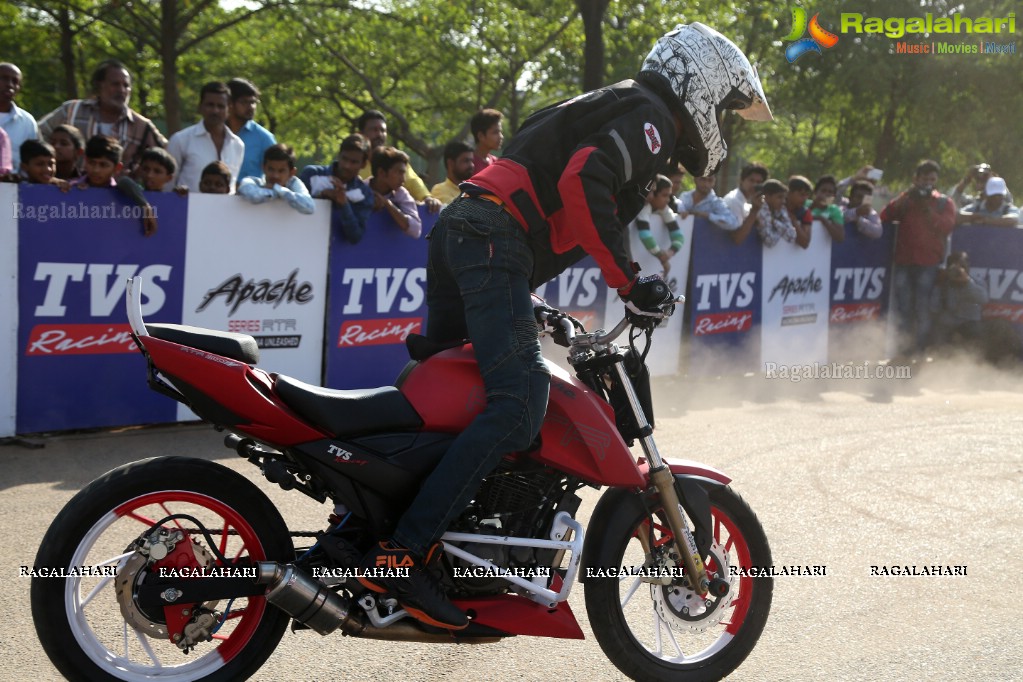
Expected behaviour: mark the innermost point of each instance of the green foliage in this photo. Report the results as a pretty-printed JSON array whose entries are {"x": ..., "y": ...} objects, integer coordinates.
[{"x": 429, "y": 64}]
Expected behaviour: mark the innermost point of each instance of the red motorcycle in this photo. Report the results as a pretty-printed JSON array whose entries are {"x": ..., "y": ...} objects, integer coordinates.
[{"x": 172, "y": 555}]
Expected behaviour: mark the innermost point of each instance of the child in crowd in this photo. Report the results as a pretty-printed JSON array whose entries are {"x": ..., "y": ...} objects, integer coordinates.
[
  {"x": 157, "y": 169},
  {"x": 69, "y": 145},
  {"x": 823, "y": 208},
  {"x": 861, "y": 212},
  {"x": 102, "y": 164},
  {"x": 278, "y": 181},
  {"x": 351, "y": 198},
  {"x": 702, "y": 202},
  {"x": 39, "y": 164},
  {"x": 657, "y": 204},
  {"x": 389, "y": 166},
  {"x": 215, "y": 179},
  {"x": 773, "y": 221}
]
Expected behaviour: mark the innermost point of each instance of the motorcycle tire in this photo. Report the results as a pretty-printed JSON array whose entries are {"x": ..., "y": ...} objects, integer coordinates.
[
  {"x": 81, "y": 621},
  {"x": 666, "y": 632}
]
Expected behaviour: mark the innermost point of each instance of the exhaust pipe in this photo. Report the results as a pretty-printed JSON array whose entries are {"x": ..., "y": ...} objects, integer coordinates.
[
  {"x": 308, "y": 601},
  {"x": 319, "y": 608}
]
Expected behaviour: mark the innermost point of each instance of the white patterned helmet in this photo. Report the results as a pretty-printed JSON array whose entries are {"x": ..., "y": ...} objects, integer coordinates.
[{"x": 708, "y": 73}]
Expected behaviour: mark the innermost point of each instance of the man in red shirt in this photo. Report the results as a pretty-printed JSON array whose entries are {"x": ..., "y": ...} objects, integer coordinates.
[{"x": 926, "y": 218}]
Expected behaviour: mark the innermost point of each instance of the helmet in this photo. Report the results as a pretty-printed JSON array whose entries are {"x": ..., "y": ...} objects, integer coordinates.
[{"x": 708, "y": 73}]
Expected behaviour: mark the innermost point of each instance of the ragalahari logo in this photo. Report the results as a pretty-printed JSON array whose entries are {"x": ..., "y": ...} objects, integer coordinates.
[{"x": 818, "y": 38}]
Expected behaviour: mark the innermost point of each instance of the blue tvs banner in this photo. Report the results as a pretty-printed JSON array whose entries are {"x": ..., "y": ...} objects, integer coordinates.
[
  {"x": 861, "y": 279},
  {"x": 723, "y": 301},
  {"x": 77, "y": 364},
  {"x": 377, "y": 297},
  {"x": 580, "y": 291},
  {"x": 996, "y": 262}
]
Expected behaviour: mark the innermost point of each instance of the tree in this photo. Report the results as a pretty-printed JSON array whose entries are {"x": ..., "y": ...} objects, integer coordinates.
[{"x": 172, "y": 29}]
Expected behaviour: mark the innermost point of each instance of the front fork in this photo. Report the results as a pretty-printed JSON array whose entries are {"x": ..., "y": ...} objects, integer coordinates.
[{"x": 663, "y": 480}]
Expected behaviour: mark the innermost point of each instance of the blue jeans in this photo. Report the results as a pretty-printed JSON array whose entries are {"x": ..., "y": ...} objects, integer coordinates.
[
  {"x": 913, "y": 287},
  {"x": 478, "y": 288}
]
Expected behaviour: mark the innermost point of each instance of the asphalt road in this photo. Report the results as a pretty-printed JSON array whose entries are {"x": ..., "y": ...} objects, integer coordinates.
[{"x": 846, "y": 474}]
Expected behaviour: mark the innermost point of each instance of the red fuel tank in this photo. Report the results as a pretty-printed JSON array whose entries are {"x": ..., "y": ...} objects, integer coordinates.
[{"x": 578, "y": 436}]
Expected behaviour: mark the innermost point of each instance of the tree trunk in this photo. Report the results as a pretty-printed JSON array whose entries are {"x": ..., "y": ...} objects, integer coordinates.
[
  {"x": 886, "y": 141},
  {"x": 592, "y": 12},
  {"x": 67, "y": 53},
  {"x": 169, "y": 65}
]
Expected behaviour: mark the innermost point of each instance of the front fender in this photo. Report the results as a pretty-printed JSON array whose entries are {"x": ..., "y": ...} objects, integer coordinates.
[{"x": 692, "y": 480}]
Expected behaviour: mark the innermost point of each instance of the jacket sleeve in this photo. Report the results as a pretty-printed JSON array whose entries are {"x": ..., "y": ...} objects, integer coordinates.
[{"x": 626, "y": 152}]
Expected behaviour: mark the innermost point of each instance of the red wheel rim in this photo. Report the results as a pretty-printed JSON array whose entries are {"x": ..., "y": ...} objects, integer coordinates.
[{"x": 248, "y": 621}]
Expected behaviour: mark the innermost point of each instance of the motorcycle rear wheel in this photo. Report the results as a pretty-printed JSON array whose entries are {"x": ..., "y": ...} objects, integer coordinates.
[
  {"x": 79, "y": 620},
  {"x": 647, "y": 630}
]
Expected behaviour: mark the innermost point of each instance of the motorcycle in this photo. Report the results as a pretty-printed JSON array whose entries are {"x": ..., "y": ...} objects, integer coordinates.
[{"x": 171, "y": 555}]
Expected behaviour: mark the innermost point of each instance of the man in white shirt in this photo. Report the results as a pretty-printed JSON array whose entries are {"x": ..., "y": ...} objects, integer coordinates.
[
  {"x": 17, "y": 123},
  {"x": 208, "y": 140},
  {"x": 739, "y": 199}
]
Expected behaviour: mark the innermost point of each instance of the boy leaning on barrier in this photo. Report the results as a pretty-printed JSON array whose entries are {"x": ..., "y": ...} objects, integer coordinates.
[
  {"x": 102, "y": 166},
  {"x": 278, "y": 182}
]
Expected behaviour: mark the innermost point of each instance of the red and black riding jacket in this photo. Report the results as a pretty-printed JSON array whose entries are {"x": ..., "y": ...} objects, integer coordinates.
[{"x": 576, "y": 174}]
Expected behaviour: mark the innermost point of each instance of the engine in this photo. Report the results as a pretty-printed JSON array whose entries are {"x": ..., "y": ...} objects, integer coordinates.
[{"x": 519, "y": 499}]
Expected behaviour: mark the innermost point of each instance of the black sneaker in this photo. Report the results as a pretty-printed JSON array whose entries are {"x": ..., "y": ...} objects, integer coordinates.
[{"x": 416, "y": 590}]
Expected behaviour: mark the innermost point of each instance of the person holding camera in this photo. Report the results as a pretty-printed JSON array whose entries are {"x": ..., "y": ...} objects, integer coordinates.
[
  {"x": 978, "y": 175},
  {"x": 957, "y": 302},
  {"x": 992, "y": 208},
  {"x": 926, "y": 217}
]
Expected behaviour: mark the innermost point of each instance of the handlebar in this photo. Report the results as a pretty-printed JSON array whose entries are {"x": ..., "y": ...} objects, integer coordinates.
[{"x": 569, "y": 325}]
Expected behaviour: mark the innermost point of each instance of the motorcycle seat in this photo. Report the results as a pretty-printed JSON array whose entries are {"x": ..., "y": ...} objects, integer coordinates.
[
  {"x": 241, "y": 347},
  {"x": 349, "y": 412}
]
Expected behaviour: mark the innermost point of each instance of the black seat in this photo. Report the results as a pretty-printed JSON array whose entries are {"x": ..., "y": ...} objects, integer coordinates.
[
  {"x": 241, "y": 347},
  {"x": 350, "y": 412},
  {"x": 420, "y": 348}
]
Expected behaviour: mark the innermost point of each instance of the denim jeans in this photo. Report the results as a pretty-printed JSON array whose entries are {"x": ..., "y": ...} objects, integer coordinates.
[
  {"x": 913, "y": 287},
  {"x": 478, "y": 288}
]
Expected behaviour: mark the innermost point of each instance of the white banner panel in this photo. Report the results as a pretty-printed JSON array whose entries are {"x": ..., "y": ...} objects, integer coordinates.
[
  {"x": 259, "y": 270},
  {"x": 8, "y": 306},
  {"x": 663, "y": 359},
  {"x": 796, "y": 301}
]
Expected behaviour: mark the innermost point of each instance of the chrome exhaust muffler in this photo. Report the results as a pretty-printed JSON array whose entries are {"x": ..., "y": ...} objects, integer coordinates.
[{"x": 305, "y": 599}]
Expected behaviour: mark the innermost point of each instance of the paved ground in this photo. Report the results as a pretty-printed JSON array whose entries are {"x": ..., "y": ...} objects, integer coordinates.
[{"x": 845, "y": 474}]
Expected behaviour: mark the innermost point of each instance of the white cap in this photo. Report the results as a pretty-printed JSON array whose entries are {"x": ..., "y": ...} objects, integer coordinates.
[{"x": 995, "y": 186}]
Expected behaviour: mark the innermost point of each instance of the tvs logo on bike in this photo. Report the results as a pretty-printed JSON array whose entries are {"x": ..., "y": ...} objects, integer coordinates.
[
  {"x": 653, "y": 138},
  {"x": 236, "y": 290},
  {"x": 340, "y": 454}
]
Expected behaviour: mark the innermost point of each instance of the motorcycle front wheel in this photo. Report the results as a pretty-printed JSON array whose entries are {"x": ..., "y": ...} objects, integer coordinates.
[
  {"x": 82, "y": 599},
  {"x": 656, "y": 631}
]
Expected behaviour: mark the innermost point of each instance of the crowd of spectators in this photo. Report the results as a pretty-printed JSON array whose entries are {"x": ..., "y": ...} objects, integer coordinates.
[{"x": 99, "y": 141}]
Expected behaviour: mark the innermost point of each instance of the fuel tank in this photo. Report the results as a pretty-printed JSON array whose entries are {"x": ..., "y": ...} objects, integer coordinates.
[{"x": 578, "y": 436}]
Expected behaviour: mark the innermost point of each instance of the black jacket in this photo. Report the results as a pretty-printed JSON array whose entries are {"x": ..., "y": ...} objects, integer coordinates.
[{"x": 576, "y": 173}]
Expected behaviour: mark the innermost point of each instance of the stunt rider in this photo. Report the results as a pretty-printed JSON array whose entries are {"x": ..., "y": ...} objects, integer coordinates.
[{"x": 571, "y": 179}]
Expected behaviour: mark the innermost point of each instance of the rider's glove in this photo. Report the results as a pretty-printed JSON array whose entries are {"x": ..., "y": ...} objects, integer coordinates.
[{"x": 645, "y": 299}]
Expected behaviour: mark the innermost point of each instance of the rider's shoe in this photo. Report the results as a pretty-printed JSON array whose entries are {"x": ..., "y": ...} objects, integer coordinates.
[{"x": 391, "y": 568}]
